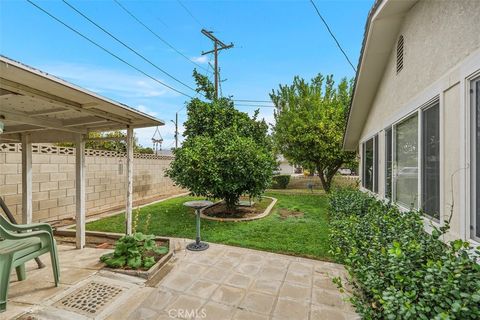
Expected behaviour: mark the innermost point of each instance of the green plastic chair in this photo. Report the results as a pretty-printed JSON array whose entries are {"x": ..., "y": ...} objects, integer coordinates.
[{"x": 19, "y": 244}]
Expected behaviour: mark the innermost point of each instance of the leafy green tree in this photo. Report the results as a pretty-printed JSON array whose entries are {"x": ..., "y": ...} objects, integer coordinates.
[
  {"x": 225, "y": 153},
  {"x": 310, "y": 122},
  {"x": 111, "y": 145}
]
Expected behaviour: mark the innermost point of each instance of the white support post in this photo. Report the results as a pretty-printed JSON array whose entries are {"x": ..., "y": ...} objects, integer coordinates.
[
  {"x": 128, "y": 211},
  {"x": 27, "y": 204},
  {"x": 80, "y": 190}
]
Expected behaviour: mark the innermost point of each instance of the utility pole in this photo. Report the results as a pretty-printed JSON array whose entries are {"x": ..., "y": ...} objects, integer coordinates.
[
  {"x": 217, "y": 46},
  {"x": 176, "y": 129}
]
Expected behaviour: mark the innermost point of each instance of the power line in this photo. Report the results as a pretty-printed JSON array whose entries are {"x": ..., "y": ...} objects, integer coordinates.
[
  {"x": 333, "y": 36},
  {"x": 106, "y": 50},
  {"x": 190, "y": 13},
  {"x": 127, "y": 46},
  {"x": 156, "y": 35},
  {"x": 246, "y": 100},
  {"x": 254, "y": 106}
]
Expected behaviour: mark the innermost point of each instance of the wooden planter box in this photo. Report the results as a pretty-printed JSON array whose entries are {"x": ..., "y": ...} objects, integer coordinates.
[{"x": 109, "y": 237}]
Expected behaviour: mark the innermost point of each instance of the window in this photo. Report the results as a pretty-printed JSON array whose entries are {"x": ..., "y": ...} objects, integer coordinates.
[
  {"x": 388, "y": 163},
  {"x": 370, "y": 164},
  {"x": 406, "y": 162},
  {"x": 475, "y": 103},
  {"x": 400, "y": 45},
  {"x": 431, "y": 161}
]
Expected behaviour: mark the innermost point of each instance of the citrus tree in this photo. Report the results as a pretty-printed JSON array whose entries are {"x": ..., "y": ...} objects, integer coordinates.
[
  {"x": 225, "y": 153},
  {"x": 310, "y": 120}
]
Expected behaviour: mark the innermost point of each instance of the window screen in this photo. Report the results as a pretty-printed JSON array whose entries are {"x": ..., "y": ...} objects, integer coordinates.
[
  {"x": 368, "y": 170},
  {"x": 406, "y": 159},
  {"x": 431, "y": 161}
]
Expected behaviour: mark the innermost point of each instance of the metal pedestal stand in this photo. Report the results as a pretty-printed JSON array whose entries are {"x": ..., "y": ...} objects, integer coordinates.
[{"x": 197, "y": 205}]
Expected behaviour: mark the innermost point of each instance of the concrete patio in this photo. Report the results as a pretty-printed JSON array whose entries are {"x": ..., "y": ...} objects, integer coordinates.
[{"x": 221, "y": 283}]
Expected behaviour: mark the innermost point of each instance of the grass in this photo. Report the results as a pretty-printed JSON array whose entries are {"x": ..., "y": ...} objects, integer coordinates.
[{"x": 306, "y": 236}]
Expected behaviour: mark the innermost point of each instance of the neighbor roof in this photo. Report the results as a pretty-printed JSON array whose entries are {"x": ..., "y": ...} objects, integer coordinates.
[
  {"x": 381, "y": 30},
  {"x": 35, "y": 101}
]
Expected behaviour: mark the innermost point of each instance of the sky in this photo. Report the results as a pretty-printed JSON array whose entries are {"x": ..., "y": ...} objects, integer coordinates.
[{"x": 273, "y": 42}]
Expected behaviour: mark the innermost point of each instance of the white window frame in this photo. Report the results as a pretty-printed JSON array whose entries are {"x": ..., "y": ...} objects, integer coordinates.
[
  {"x": 471, "y": 110},
  {"x": 437, "y": 98},
  {"x": 376, "y": 164},
  {"x": 385, "y": 162}
]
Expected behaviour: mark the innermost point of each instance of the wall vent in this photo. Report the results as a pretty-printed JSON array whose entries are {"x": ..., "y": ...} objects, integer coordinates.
[{"x": 400, "y": 53}]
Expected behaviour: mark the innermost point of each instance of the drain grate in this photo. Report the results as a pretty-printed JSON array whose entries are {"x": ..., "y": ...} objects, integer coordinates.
[{"x": 89, "y": 299}]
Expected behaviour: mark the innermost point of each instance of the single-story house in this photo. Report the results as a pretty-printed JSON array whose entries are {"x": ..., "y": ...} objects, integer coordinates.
[
  {"x": 415, "y": 111},
  {"x": 285, "y": 167}
]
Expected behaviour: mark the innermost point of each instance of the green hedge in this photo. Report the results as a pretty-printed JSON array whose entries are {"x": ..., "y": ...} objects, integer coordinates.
[
  {"x": 280, "y": 181},
  {"x": 399, "y": 271}
]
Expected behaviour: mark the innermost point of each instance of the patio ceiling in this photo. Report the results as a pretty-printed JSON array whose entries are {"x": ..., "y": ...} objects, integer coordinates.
[{"x": 55, "y": 110}]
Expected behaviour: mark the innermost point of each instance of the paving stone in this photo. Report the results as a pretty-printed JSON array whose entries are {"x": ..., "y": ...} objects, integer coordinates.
[
  {"x": 272, "y": 273},
  {"x": 253, "y": 257},
  {"x": 328, "y": 298},
  {"x": 238, "y": 280},
  {"x": 248, "y": 268},
  {"x": 226, "y": 264},
  {"x": 133, "y": 303},
  {"x": 258, "y": 302},
  {"x": 159, "y": 299},
  {"x": 299, "y": 267},
  {"x": 267, "y": 286},
  {"x": 202, "y": 289},
  {"x": 191, "y": 268},
  {"x": 216, "y": 311},
  {"x": 143, "y": 313},
  {"x": 290, "y": 309},
  {"x": 248, "y": 315},
  {"x": 321, "y": 313},
  {"x": 323, "y": 282},
  {"x": 304, "y": 279},
  {"x": 214, "y": 274},
  {"x": 178, "y": 281},
  {"x": 228, "y": 295},
  {"x": 294, "y": 292},
  {"x": 186, "y": 304},
  {"x": 276, "y": 262}
]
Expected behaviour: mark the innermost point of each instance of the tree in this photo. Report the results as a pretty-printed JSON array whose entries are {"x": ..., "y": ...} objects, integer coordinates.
[
  {"x": 310, "y": 122},
  {"x": 111, "y": 145},
  {"x": 225, "y": 153}
]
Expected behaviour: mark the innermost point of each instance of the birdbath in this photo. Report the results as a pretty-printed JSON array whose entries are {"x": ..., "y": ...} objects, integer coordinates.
[{"x": 197, "y": 205}]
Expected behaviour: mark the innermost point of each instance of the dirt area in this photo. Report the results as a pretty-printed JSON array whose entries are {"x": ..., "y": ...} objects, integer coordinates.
[
  {"x": 220, "y": 210},
  {"x": 285, "y": 213},
  {"x": 100, "y": 242}
]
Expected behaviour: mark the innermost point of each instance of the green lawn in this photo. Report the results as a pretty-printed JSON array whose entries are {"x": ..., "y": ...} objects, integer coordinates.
[{"x": 306, "y": 236}]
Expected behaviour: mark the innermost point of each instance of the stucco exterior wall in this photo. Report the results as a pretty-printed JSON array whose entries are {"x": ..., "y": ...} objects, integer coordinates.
[
  {"x": 53, "y": 175},
  {"x": 442, "y": 48}
]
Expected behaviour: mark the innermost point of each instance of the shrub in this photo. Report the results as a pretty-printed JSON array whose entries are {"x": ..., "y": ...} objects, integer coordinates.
[
  {"x": 398, "y": 270},
  {"x": 134, "y": 251},
  {"x": 225, "y": 154},
  {"x": 280, "y": 181}
]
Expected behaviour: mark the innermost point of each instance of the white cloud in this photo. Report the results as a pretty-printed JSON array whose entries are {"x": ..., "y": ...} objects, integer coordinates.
[
  {"x": 146, "y": 110},
  {"x": 104, "y": 80},
  {"x": 200, "y": 59}
]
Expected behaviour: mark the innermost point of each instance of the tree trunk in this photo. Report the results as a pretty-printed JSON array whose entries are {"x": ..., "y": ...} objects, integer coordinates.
[{"x": 325, "y": 183}]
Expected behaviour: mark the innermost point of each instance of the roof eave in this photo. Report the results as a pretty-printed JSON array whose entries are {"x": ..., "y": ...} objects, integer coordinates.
[{"x": 381, "y": 30}]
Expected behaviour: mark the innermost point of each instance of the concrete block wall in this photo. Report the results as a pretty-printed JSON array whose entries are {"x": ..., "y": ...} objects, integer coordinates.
[{"x": 53, "y": 175}]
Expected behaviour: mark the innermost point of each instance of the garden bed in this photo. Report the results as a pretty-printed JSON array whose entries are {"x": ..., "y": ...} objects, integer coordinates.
[
  {"x": 245, "y": 212},
  {"x": 106, "y": 240}
]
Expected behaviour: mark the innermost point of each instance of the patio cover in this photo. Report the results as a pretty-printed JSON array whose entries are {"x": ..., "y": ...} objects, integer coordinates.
[{"x": 36, "y": 107}]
